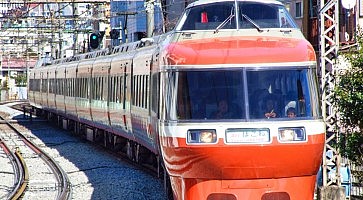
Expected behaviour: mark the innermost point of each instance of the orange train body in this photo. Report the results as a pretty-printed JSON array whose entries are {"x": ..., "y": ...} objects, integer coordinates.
[{"x": 159, "y": 97}]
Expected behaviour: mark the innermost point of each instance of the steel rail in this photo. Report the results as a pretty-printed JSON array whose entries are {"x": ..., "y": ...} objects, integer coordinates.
[
  {"x": 23, "y": 181},
  {"x": 64, "y": 189},
  {"x": 20, "y": 171}
]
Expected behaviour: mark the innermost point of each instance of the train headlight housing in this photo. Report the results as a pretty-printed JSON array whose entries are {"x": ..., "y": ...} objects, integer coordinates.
[
  {"x": 292, "y": 134},
  {"x": 203, "y": 136}
]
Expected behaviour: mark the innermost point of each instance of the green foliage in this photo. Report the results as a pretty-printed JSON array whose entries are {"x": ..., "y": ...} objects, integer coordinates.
[
  {"x": 349, "y": 100},
  {"x": 5, "y": 85},
  {"x": 21, "y": 80},
  {"x": 352, "y": 147}
]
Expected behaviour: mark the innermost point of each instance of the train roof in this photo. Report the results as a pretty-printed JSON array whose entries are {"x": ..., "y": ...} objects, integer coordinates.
[{"x": 203, "y": 2}]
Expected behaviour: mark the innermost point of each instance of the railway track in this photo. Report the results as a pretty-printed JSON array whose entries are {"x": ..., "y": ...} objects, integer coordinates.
[
  {"x": 21, "y": 175},
  {"x": 37, "y": 175}
]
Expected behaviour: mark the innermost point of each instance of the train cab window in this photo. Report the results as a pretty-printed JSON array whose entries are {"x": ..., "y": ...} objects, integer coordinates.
[
  {"x": 243, "y": 94},
  {"x": 224, "y": 14},
  {"x": 209, "y": 17},
  {"x": 264, "y": 15}
]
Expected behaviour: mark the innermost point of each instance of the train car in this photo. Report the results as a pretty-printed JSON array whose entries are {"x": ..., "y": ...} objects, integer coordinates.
[{"x": 227, "y": 103}]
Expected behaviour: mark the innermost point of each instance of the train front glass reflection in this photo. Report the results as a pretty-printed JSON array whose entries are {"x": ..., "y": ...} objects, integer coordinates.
[{"x": 199, "y": 95}]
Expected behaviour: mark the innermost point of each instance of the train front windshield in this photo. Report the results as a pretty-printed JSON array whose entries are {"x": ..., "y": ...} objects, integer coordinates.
[
  {"x": 226, "y": 15},
  {"x": 242, "y": 94}
]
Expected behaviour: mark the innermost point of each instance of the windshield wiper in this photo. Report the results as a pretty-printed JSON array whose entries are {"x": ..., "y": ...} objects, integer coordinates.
[
  {"x": 228, "y": 19},
  {"x": 252, "y": 22}
]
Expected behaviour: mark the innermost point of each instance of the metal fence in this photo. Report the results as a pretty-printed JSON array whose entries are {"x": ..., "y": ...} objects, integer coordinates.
[{"x": 356, "y": 191}]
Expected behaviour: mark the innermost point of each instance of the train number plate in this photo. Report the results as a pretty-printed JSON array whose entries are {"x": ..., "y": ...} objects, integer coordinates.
[{"x": 248, "y": 135}]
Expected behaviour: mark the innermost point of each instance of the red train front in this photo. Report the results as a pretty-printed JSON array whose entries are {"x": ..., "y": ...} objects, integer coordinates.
[{"x": 240, "y": 115}]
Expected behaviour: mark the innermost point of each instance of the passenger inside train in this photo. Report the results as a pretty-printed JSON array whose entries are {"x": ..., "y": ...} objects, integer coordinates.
[
  {"x": 270, "y": 107},
  {"x": 197, "y": 94},
  {"x": 291, "y": 113},
  {"x": 223, "y": 112}
]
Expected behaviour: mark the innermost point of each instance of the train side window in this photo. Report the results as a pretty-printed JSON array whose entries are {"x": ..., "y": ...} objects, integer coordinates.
[
  {"x": 119, "y": 94},
  {"x": 58, "y": 86},
  {"x": 115, "y": 89},
  {"x": 155, "y": 94},
  {"x": 69, "y": 86},
  {"x": 66, "y": 87},
  {"x": 79, "y": 86},
  {"x": 105, "y": 92},
  {"x": 141, "y": 94},
  {"x": 147, "y": 91},
  {"x": 50, "y": 86},
  {"x": 82, "y": 88},
  {"x": 141, "y": 90},
  {"x": 100, "y": 86},
  {"x": 94, "y": 88},
  {"x": 134, "y": 91},
  {"x": 62, "y": 86},
  {"x": 76, "y": 84},
  {"x": 75, "y": 87},
  {"x": 111, "y": 89}
]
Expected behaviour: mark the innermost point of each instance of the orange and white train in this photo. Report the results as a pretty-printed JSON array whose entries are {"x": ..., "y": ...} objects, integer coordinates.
[{"x": 208, "y": 102}]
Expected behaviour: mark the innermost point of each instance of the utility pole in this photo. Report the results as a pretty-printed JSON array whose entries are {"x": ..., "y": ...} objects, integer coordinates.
[{"x": 150, "y": 18}]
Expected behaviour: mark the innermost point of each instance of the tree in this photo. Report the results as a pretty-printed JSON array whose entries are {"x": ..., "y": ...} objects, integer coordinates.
[
  {"x": 348, "y": 97},
  {"x": 21, "y": 80}
]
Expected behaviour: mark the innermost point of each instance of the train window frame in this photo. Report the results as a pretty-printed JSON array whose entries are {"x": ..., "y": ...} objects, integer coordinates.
[{"x": 310, "y": 91}]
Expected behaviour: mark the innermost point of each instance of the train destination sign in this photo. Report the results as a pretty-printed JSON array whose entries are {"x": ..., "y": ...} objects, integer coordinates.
[{"x": 248, "y": 135}]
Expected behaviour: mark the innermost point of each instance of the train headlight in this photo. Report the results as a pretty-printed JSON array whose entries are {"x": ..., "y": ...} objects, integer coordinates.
[
  {"x": 294, "y": 134},
  {"x": 201, "y": 136}
]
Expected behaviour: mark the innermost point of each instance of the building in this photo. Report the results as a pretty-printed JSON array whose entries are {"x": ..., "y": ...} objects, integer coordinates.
[{"x": 129, "y": 18}]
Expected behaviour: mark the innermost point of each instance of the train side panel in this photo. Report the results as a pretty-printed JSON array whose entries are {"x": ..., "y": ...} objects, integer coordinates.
[
  {"x": 52, "y": 88},
  {"x": 140, "y": 119},
  {"x": 84, "y": 72},
  {"x": 61, "y": 88},
  {"x": 119, "y": 105},
  {"x": 72, "y": 90},
  {"x": 100, "y": 91},
  {"x": 43, "y": 88},
  {"x": 32, "y": 86}
]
